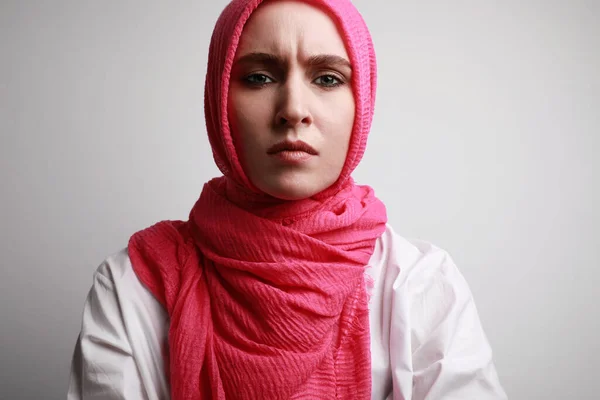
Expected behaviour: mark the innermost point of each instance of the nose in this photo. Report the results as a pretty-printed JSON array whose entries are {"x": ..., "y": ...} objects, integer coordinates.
[{"x": 293, "y": 105}]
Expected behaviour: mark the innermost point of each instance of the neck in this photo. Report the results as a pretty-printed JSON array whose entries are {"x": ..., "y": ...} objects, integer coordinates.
[{"x": 264, "y": 205}]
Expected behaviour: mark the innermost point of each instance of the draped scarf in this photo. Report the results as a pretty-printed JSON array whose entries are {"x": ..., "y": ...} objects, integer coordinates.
[{"x": 267, "y": 299}]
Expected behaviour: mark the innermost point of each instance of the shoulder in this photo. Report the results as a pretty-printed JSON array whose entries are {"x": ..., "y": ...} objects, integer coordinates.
[
  {"x": 423, "y": 291},
  {"x": 115, "y": 277},
  {"x": 119, "y": 302},
  {"x": 114, "y": 268},
  {"x": 421, "y": 288},
  {"x": 103, "y": 313},
  {"x": 412, "y": 262},
  {"x": 130, "y": 311},
  {"x": 431, "y": 323},
  {"x": 123, "y": 337}
]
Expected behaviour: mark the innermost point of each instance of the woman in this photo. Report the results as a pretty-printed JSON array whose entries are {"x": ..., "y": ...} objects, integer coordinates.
[{"x": 286, "y": 281}]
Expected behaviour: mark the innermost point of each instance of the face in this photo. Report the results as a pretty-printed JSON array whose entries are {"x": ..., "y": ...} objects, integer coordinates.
[{"x": 290, "y": 105}]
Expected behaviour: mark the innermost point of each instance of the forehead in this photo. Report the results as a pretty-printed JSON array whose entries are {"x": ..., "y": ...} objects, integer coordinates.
[{"x": 284, "y": 26}]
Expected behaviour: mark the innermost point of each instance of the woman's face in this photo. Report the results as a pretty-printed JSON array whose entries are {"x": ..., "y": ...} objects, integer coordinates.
[{"x": 290, "y": 104}]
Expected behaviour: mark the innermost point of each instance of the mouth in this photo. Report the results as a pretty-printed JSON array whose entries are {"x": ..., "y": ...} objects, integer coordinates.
[
  {"x": 292, "y": 152},
  {"x": 297, "y": 146}
]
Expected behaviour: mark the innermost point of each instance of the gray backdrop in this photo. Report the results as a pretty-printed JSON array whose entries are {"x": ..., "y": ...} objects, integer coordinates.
[{"x": 485, "y": 142}]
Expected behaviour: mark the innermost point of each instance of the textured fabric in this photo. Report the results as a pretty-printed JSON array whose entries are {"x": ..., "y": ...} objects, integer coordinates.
[
  {"x": 427, "y": 341},
  {"x": 267, "y": 298}
]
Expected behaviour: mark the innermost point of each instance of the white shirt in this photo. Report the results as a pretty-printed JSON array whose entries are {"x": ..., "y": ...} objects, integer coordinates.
[{"x": 426, "y": 337}]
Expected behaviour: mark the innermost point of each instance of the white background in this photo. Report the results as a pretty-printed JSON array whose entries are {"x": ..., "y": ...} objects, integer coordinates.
[{"x": 485, "y": 143}]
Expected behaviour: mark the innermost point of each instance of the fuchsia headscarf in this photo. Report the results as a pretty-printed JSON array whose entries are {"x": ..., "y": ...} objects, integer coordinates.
[{"x": 267, "y": 299}]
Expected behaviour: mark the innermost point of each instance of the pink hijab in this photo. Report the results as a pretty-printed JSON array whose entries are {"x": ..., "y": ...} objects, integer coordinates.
[{"x": 267, "y": 299}]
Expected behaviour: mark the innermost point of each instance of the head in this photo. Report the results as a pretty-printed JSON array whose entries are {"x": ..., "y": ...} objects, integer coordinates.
[
  {"x": 290, "y": 103},
  {"x": 298, "y": 96}
]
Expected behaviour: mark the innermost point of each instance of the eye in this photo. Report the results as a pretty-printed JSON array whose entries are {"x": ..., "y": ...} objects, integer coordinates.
[
  {"x": 258, "y": 79},
  {"x": 328, "y": 81}
]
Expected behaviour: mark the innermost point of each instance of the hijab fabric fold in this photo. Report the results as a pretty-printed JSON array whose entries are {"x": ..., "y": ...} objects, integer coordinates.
[{"x": 267, "y": 299}]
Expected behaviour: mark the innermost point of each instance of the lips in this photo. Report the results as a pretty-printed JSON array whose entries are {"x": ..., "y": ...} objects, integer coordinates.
[{"x": 292, "y": 146}]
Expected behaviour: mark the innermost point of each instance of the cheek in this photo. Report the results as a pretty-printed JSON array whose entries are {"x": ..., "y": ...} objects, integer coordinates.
[
  {"x": 337, "y": 125},
  {"x": 248, "y": 119},
  {"x": 349, "y": 114}
]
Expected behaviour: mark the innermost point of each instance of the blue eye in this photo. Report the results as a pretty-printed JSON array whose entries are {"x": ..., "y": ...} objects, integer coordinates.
[
  {"x": 258, "y": 79},
  {"x": 328, "y": 81}
]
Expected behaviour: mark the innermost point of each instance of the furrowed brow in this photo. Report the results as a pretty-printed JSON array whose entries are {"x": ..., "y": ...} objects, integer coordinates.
[
  {"x": 329, "y": 59},
  {"x": 260, "y": 58},
  {"x": 271, "y": 59}
]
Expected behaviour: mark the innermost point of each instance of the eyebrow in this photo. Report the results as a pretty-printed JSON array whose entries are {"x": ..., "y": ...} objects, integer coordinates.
[{"x": 316, "y": 60}]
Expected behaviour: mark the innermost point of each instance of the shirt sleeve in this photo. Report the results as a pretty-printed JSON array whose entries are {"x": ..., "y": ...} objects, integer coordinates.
[
  {"x": 103, "y": 366},
  {"x": 450, "y": 354}
]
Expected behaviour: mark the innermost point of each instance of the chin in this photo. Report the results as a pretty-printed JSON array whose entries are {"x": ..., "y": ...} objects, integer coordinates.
[{"x": 292, "y": 188}]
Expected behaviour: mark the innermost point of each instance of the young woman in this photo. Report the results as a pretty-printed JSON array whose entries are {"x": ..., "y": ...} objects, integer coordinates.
[{"x": 286, "y": 281}]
